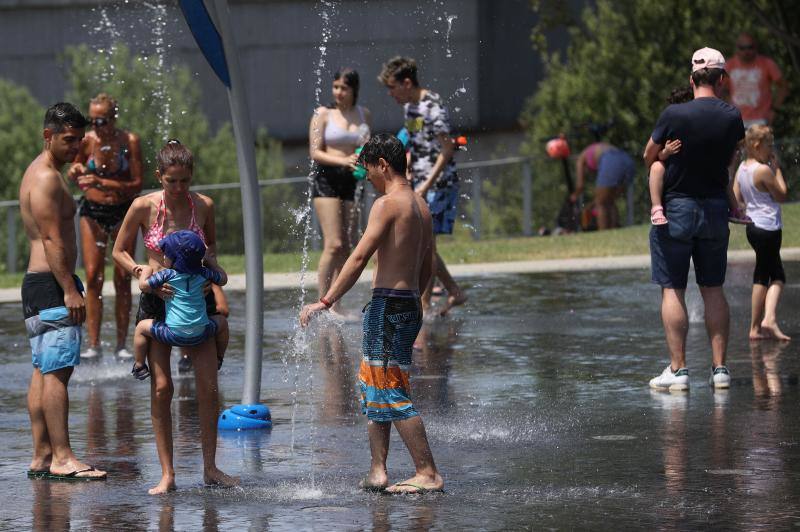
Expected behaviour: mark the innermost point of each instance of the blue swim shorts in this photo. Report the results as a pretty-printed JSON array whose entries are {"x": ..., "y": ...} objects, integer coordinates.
[
  {"x": 55, "y": 340},
  {"x": 615, "y": 168},
  {"x": 696, "y": 229},
  {"x": 161, "y": 332},
  {"x": 392, "y": 320},
  {"x": 442, "y": 204}
]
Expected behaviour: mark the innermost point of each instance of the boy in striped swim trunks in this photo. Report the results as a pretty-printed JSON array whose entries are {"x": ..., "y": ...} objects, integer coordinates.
[{"x": 400, "y": 233}]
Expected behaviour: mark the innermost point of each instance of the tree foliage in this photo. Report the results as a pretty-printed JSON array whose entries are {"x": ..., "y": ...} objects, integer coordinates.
[
  {"x": 623, "y": 59},
  {"x": 20, "y": 135},
  {"x": 160, "y": 102}
]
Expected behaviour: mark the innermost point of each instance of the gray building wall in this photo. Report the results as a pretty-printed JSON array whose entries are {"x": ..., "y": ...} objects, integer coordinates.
[{"x": 484, "y": 67}]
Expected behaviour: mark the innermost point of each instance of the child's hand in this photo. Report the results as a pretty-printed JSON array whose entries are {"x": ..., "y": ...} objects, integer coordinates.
[
  {"x": 773, "y": 161},
  {"x": 144, "y": 274},
  {"x": 671, "y": 148}
]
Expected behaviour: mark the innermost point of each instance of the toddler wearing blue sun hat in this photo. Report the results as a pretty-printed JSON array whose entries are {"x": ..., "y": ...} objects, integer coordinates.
[{"x": 186, "y": 322}]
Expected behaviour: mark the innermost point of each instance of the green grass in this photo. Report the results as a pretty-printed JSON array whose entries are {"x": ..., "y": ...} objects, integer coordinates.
[{"x": 462, "y": 249}]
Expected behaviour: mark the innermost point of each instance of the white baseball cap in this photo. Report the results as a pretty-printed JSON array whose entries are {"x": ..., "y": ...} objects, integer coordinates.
[{"x": 707, "y": 58}]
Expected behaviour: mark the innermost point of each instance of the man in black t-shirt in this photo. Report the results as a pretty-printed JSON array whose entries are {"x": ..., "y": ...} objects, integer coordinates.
[{"x": 696, "y": 206}]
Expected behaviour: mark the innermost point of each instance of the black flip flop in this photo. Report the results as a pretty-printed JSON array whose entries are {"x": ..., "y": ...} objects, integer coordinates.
[
  {"x": 38, "y": 473},
  {"x": 74, "y": 475}
]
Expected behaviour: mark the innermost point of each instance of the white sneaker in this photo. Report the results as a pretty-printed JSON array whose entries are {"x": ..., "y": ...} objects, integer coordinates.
[
  {"x": 92, "y": 352},
  {"x": 124, "y": 353},
  {"x": 673, "y": 381},
  {"x": 720, "y": 377}
]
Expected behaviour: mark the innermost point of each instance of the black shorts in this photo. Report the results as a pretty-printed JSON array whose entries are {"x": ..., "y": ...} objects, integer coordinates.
[
  {"x": 40, "y": 291},
  {"x": 108, "y": 217},
  {"x": 767, "y": 245},
  {"x": 152, "y": 307},
  {"x": 334, "y": 182}
]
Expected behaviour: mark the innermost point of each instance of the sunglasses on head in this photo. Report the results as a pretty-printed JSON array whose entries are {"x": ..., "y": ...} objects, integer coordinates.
[
  {"x": 745, "y": 46},
  {"x": 99, "y": 122}
]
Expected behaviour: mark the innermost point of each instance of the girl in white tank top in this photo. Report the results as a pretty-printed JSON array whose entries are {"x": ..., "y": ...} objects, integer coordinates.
[
  {"x": 760, "y": 185},
  {"x": 761, "y": 206}
]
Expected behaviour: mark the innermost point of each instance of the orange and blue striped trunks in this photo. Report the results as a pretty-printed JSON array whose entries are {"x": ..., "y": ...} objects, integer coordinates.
[{"x": 392, "y": 320}]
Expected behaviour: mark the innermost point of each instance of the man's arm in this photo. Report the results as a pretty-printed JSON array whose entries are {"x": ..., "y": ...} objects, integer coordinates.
[
  {"x": 380, "y": 220},
  {"x": 781, "y": 92},
  {"x": 448, "y": 149},
  {"x": 46, "y": 206},
  {"x": 651, "y": 152},
  {"x": 426, "y": 271}
]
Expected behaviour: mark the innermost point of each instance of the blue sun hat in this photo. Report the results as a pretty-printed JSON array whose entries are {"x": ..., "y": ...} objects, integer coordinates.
[{"x": 185, "y": 249}]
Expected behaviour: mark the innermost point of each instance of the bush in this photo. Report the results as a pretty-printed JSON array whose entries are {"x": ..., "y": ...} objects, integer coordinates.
[
  {"x": 623, "y": 59},
  {"x": 20, "y": 142}
]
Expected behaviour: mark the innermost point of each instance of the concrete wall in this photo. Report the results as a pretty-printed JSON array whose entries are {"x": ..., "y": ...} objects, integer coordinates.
[{"x": 489, "y": 55}]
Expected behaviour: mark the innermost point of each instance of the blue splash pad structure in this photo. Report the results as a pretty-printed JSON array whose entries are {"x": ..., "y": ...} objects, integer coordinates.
[{"x": 245, "y": 417}]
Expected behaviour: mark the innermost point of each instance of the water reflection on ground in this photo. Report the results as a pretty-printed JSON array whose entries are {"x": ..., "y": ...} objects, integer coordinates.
[{"x": 537, "y": 407}]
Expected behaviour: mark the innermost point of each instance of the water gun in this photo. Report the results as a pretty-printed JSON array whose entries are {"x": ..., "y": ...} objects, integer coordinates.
[{"x": 405, "y": 137}]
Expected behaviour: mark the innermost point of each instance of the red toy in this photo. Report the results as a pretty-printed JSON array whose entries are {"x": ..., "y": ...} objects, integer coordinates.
[{"x": 557, "y": 148}]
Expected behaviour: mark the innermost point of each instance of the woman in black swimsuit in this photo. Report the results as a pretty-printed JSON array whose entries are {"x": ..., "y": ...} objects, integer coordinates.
[
  {"x": 334, "y": 134},
  {"x": 108, "y": 169}
]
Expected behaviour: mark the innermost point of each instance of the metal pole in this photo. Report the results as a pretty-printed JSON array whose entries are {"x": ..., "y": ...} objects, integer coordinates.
[
  {"x": 476, "y": 206},
  {"x": 11, "y": 243},
  {"x": 251, "y": 206},
  {"x": 527, "y": 206}
]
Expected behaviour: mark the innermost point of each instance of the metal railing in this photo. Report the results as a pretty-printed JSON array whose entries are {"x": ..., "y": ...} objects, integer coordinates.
[{"x": 473, "y": 176}]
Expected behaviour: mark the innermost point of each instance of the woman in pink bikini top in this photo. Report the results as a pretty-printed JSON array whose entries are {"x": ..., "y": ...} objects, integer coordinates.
[
  {"x": 155, "y": 215},
  {"x": 156, "y": 231},
  {"x": 171, "y": 209}
]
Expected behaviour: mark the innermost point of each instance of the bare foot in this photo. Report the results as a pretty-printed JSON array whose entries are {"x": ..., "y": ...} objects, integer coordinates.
[
  {"x": 166, "y": 485},
  {"x": 76, "y": 469},
  {"x": 418, "y": 484},
  {"x": 215, "y": 477},
  {"x": 453, "y": 301},
  {"x": 41, "y": 463},
  {"x": 773, "y": 331},
  {"x": 374, "y": 481},
  {"x": 757, "y": 334}
]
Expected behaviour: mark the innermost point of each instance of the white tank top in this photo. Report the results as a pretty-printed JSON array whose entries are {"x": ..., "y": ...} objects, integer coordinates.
[
  {"x": 761, "y": 207},
  {"x": 344, "y": 139}
]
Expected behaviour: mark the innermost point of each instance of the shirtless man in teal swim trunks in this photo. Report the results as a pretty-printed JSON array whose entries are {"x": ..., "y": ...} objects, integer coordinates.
[
  {"x": 52, "y": 296},
  {"x": 400, "y": 233}
]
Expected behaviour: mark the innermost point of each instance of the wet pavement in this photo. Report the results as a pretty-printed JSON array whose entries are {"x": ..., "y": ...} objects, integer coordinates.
[{"x": 536, "y": 402}]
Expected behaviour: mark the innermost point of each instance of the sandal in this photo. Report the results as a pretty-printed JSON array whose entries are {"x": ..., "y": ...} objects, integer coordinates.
[
  {"x": 657, "y": 216},
  {"x": 736, "y": 216},
  {"x": 140, "y": 372}
]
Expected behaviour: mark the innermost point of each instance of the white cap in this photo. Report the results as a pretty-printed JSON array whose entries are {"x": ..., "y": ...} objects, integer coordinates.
[{"x": 707, "y": 58}]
